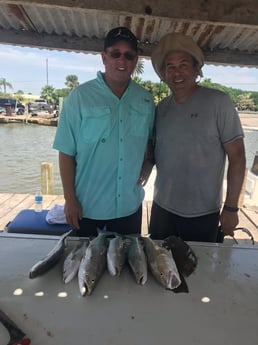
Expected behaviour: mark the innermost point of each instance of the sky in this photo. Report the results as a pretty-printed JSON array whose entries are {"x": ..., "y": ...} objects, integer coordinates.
[{"x": 30, "y": 69}]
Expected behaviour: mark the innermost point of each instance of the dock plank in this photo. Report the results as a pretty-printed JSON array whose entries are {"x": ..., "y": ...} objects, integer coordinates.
[
  {"x": 5, "y": 197},
  {"x": 12, "y": 204}
]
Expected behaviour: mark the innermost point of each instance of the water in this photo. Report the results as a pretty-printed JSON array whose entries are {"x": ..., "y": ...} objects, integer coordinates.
[{"x": 23, "y": 147}]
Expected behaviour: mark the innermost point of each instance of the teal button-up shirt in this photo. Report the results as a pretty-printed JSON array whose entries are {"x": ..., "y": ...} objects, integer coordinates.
[{"x": 108, "y": 137}]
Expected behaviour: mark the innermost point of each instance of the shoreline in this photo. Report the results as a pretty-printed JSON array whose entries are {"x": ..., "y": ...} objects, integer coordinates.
[
  {"x": 248, "y": 121},
  {"x": 45, "y": 119}
]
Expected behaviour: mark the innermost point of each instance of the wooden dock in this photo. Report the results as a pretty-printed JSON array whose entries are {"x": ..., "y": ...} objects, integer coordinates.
[
  {"x": 12, "y": 204},
  {"x": 44, "y": 119}
]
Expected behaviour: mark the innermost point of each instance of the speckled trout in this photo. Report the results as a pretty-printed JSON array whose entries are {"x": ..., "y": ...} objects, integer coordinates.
[
  {"x": 137, "y": 259},
  {"x": 116, "y": 255},
  {"x": 161, "y": 264},
  {"x": 72, "y": 261},
  {"x": 93, "y": 263},
  {"x": 50, "y": 259}
]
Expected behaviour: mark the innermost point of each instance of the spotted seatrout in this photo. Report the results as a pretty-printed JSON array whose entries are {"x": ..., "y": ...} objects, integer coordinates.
[
  {"x": 137, "y": 259},
  {"x": 93, "y": 264},
  {"x": 50, "y": 259},
  {"x": 72, "y": 261},
  {"x": 116, "y": 255},
  {"x": 161, "y": 264}
]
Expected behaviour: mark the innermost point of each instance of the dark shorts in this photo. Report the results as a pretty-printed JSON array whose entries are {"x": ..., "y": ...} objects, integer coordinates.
[
  {"x": 124, "y": 225},
  {"x": 201, "y": 229}
]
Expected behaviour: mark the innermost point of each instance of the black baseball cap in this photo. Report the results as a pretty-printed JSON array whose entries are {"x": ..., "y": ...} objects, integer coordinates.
[{"x": 120, "y": 33}]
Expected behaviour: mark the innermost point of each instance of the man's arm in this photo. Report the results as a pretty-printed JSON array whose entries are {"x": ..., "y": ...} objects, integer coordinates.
[
  {"x": 72, "y": 209},
  {"x": 235, "y": 177},
  {"x": 148, "y": 163}
]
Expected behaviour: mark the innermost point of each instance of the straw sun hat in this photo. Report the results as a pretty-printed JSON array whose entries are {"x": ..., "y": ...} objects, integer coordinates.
[{"x": 175, "y": 42}]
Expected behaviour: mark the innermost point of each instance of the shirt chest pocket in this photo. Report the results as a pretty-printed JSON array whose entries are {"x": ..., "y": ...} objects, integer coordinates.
[
  {"x": 139, "y": 123},
  {"x": 96, "y": 124}
]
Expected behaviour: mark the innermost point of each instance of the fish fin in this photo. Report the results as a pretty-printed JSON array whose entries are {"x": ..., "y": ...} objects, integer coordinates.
[
  {"x": 99, "y": 231},
  {"x": 108, "y": 234}
]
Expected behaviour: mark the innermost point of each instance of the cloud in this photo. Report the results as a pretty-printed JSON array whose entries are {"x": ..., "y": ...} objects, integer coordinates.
[
  {"x": 57, "y": 60},
  {"x": 26, "y": 68},
  {"x": 243, "y": 78}
]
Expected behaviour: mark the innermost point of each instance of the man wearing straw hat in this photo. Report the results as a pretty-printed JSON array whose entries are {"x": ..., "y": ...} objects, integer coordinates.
[{"x": 197, "y": 128}]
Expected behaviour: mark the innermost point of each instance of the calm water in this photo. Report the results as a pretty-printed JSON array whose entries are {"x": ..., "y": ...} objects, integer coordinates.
[{"x": 23, "y": 148}]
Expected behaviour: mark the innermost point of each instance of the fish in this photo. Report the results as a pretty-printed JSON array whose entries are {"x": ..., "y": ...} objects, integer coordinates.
[
  {"x": 50, "y": 259},
  {"x": 184, "y": 256},
  {"x": 116, "y": 255},
  {"x": 72, "y": 261},
  {"x": 17, "y": 336},
  {"x": 137, "y": 259},
  {"x": 161, "y": 264},
  {"x": 93, "y": 263}
]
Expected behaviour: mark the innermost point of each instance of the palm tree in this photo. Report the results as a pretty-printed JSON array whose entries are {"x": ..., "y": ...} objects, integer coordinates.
[
  {"x": 139, "y": 68},
  {"x": 71, "y": 81},
  {"x": 48, "y": 93},
  {"x": 4, "y": 84}
]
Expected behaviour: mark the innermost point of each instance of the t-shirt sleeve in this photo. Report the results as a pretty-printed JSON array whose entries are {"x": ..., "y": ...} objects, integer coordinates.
[{"x": 228, "y": 120}]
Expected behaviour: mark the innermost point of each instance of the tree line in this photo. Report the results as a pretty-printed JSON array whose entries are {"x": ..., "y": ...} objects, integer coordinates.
[
  {"x": 48, "y": 92},
  {"x": 243, "y": 100}
]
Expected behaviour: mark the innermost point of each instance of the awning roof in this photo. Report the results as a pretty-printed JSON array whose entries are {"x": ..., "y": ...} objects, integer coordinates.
[{"x": 227, "y": 31}]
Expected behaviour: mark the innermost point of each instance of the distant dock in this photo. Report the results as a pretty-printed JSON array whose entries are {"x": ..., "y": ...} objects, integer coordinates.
[
  {"x": 248, "y": 120},
  {"x": 42, "y": 119}
]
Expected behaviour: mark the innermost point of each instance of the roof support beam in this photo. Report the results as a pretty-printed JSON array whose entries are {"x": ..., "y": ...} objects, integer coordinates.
[{"x": 86, "y": 45}]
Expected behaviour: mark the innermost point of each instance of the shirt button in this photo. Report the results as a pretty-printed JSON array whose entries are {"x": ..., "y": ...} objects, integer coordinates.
[
  {"x": 119, "y": 178},
  {"x": 103, "y": 140},
  {"x": 121, "y": 139}
]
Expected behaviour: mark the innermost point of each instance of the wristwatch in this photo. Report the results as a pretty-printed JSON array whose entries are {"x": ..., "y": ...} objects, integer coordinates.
[{"x": 230, "y": 209}]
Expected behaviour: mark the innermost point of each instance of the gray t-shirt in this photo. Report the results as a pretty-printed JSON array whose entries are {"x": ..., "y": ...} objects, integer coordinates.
[{"x": 189, "y": 151}]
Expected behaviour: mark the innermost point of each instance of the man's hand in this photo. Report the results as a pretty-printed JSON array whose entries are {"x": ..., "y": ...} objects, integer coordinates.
[
  {"x": 73, "y": 212},
  {"x": 228, "y": 221}
]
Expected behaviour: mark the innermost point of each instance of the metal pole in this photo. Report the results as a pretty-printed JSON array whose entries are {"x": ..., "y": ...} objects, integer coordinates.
[{"x": 47, "y": 69}]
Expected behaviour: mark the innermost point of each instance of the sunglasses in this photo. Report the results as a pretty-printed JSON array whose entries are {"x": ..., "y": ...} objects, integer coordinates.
[{"x": 128, "y": 56}]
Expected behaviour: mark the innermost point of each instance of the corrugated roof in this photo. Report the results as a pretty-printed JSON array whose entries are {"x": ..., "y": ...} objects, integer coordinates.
[{"x": 81, "y": 25}]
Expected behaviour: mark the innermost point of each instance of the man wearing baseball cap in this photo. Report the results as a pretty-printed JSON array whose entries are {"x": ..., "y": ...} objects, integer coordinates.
[
  {"x": 196, "y": 128},
  {"x": 102, "y": 136}
]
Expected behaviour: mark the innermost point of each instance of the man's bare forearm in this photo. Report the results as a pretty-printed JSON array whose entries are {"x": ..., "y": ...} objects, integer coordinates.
[
  {"x": 67, "y": 172},
  {"x": 235, "y": 173}
]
